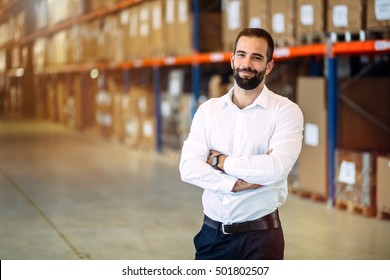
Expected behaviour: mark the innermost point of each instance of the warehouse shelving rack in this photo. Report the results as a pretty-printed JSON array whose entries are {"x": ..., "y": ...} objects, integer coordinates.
[{"x": 328, "y": 51}]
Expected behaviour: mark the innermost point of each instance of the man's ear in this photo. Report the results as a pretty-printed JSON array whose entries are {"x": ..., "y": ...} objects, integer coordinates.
[{"x": 269, "y": 67}]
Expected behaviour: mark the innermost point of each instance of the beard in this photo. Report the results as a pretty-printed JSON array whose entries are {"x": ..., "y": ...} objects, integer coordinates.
[{"x": 248, "y": 83}]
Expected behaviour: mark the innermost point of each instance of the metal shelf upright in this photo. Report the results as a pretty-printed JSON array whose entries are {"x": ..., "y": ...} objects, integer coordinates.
[{"x": 332, "y": 120}]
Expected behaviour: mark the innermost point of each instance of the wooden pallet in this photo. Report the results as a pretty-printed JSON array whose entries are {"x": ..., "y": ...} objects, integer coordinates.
[
  {"x": 383, "y": 213},
  {"x": 366, "y": 211},
  {"x": 311, "y": 38},
  {"x": 308, "y": 195},
  {"x": 347, "y": 36},
  {"x": 377, "y": 33},
  {"x": 284, "y": 42}
]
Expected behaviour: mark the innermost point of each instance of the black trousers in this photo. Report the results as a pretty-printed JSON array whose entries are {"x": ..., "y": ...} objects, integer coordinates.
[{"x": 212, "y": 244}]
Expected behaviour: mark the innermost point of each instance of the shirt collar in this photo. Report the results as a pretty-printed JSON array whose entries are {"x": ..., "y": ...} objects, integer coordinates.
[{"x": 262, "y": 100}]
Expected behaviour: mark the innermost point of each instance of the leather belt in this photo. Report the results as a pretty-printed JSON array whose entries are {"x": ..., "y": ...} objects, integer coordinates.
[{"x": 269, "y": 221}]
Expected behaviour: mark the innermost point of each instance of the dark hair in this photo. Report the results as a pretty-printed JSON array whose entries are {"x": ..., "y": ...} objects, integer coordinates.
[{"x": 258, "y": 33}]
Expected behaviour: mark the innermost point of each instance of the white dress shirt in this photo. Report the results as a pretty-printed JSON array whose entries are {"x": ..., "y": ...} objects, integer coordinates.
[{"x": 271, "y": 122}]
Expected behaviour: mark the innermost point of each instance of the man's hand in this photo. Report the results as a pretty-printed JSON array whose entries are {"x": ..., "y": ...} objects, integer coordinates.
[{"x": 241, "y": 185}]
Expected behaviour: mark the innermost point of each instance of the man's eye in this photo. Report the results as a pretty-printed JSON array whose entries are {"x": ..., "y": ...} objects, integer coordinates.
[{"x": 257, "y": 58}]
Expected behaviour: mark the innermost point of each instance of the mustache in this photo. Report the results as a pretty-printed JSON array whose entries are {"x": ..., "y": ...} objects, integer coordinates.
[{"x": 247, "y": 69}]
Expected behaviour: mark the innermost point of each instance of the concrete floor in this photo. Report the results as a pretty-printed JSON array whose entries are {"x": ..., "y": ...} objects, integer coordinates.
[{"x": 69, "y": 195}]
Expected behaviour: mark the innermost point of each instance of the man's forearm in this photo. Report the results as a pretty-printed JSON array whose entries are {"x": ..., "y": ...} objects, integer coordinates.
[{"x": 240, "y": 185}]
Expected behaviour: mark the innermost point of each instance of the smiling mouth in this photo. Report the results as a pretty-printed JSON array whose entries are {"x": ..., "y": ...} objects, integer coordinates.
[{"x": 245, "y": 73}]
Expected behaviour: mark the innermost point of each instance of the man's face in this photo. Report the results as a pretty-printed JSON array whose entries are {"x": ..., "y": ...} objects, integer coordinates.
[{"x": 249, "y": 62}]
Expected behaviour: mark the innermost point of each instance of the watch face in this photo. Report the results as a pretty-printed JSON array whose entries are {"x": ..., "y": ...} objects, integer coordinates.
[{"x": 214, "y": 161}]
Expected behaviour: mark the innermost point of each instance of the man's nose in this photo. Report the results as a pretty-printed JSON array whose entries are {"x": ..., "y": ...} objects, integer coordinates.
[{"x": 247, "y": 62}]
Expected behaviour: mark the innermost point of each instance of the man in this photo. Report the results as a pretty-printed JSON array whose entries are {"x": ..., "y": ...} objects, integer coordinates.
[{"x": 240, "y": 149}]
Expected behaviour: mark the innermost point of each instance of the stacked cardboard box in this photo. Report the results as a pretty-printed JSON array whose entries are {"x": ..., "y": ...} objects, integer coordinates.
[
  {"x": 3, "y": 61},
  {"x": 239, "y": 14},
  {"x": 51, "y": 100},
  {"x": 41, "y": 12},
  {"x": 90, "y": 35},
  {"x": 178, "y": 24},
  {"x": 135, "y": 24},
  {"x": 258, "y": 14},
  {"x": 79, "y": 102},
  {"x": 61, "y": 10},
  {"x": 40, "y": 97},
  {"x": 378, "y": 15},
  {"x": 383, "y": 184},
  {"x": 75, "y": 44},
  {"x": 19, "y": 25},
  {"x": 57, "y": 48},
  {"x": 61, "y": 99},
  {"x": 13, "y": 28},
  {"x": 283, "y": 19},
  {"x": 310, "y": 20},
  {"x": 345, "y": 16},
  {"x": 234, "y": 20},
  {"x": 312, "y": 162},
  {"x": 158, "y": 33},
  {"x": 93, "y": 5},
  {"x": 16, "y": 59},
  {"x": 356, "y": 181},
  {"x": 138, "y": 118},
  {"x": 39, "y": 54},
  {"x": 104, "y": 112}
]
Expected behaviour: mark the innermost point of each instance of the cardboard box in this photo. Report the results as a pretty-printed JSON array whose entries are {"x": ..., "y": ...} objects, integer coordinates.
[
  {"x": 258, "y": 12},
  {"x": 144, "y": 30},
  {"x": 148, "y": 133},
  {"x": 15, "y": 57},
  {"x": 104, "y": 112},
  {"x": 378, "y": 14},
  {"x": 41, "y": 14},
  {"x": 75, "y": 44},
  {"x": 178, "y": 24},
  {"x": 345, "y": 15},
  {"x": 129, "y": 19},
  {"x": 283, "y": 22},
  {"x": 51, "y": 101},
  {"x": 184, "y": 28},
  {"x": 383, "y": 183},
  {"x": 355, "y": 179},
  {"x": 158, "y": 45},
  {"x": 234, "y": 19},
  {"x": 312, "y": 162},
  {"x": 90, "y": 37},
  {"x": 79, "y": 100},
  {"x": 310, "y": 17}
]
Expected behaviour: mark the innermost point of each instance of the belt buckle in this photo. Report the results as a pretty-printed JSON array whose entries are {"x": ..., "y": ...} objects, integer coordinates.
[{"x": 223, "y": 229}]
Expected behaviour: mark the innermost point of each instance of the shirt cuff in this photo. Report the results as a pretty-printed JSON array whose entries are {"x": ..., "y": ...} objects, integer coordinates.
[
  {"x": 228, "y": 183},
  {"x": 228, "y": 165}
]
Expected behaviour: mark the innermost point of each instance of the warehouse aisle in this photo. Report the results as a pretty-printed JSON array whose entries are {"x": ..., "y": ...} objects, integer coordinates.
[{"x": 70, "y": 195}]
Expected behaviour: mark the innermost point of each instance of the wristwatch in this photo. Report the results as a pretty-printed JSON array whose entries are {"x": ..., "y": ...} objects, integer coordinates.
[{"x": 214, "y": 162}]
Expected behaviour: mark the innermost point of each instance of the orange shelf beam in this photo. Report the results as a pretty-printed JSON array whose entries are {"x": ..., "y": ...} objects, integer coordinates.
[
  {"x": 299, "y": 51},
  {"x": 70, "y": 22},
  {"x": 340, "y": 48},
  {"x": 361, "y": 47}
]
